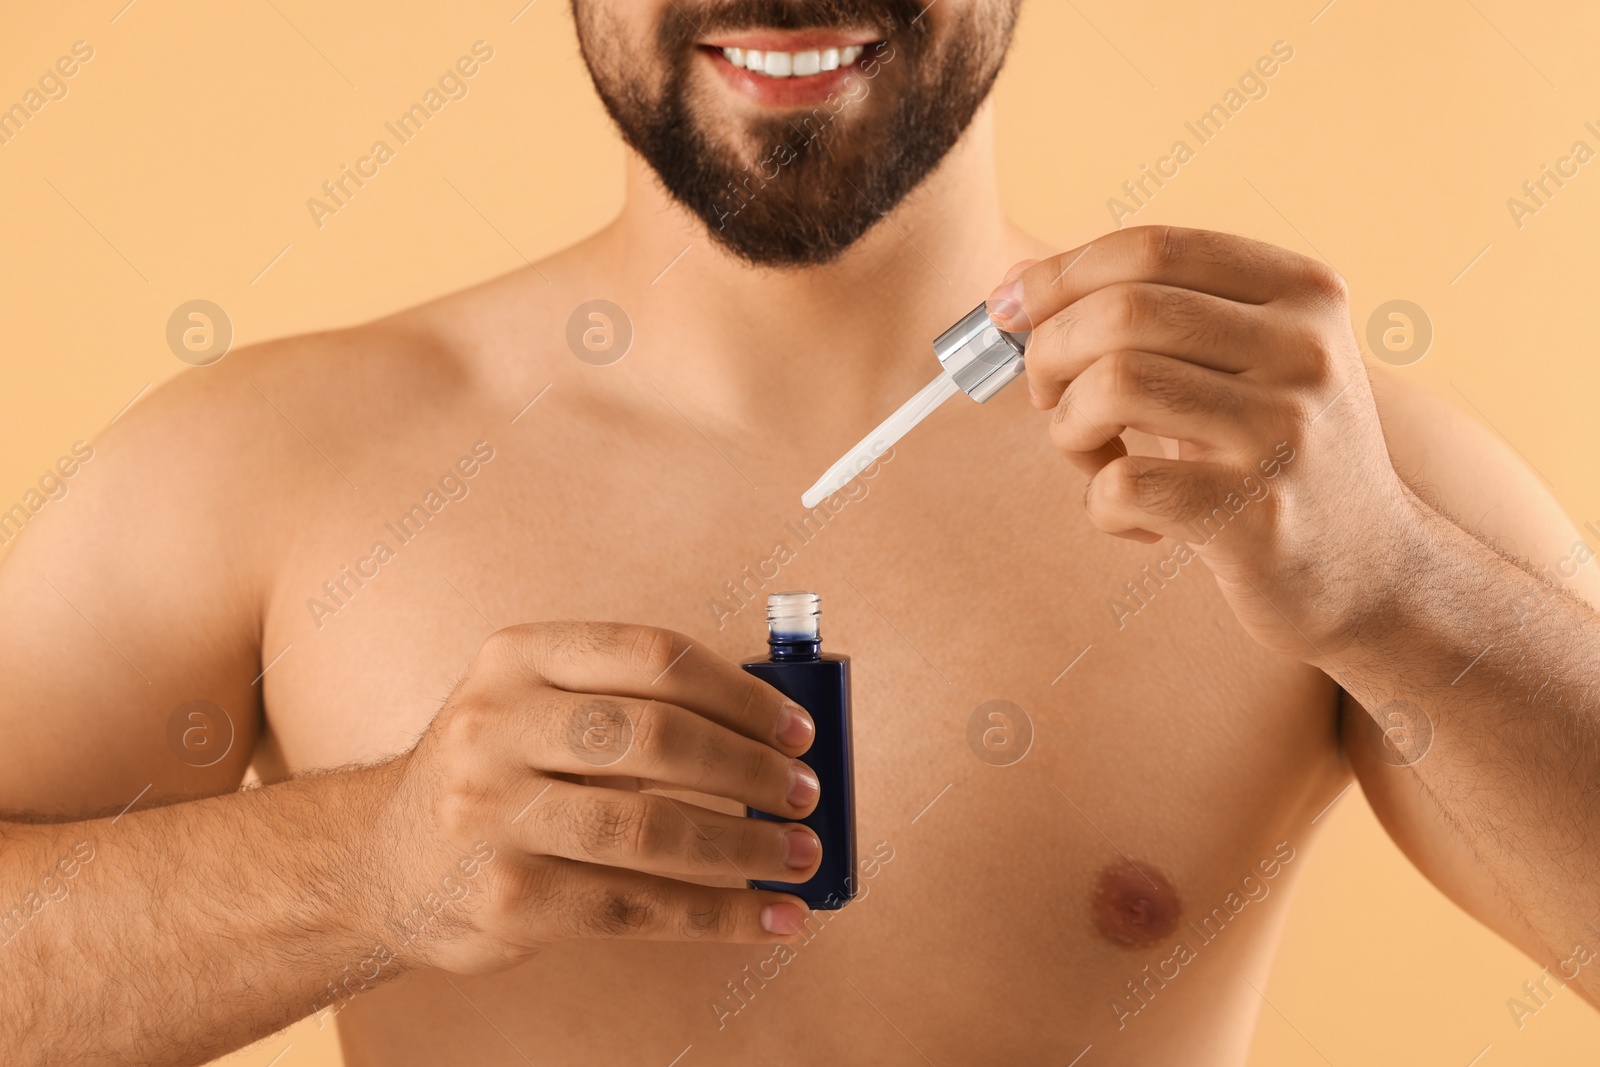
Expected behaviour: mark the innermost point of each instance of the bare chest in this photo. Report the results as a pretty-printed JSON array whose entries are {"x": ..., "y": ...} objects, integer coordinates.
[
  {"x": 1033, "y": 701},
  {"x": 957, "y": 573}
]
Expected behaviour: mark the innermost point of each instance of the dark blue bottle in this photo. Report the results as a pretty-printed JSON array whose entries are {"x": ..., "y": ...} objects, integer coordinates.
[{"x": 819, "y": 682}]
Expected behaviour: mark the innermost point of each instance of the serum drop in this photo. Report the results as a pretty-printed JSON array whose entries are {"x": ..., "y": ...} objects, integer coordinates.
[{"x": 818, "y": 681}]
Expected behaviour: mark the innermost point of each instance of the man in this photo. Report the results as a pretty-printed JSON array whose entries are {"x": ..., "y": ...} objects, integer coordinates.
[{"x": 284, "y": 560}]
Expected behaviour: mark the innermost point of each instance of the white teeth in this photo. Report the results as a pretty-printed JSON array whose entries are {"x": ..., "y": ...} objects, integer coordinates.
[{"x": 793, "y": 64}]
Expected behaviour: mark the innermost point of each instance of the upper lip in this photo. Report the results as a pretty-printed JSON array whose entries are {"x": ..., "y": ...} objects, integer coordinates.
[{"x": 792, "y": 40}]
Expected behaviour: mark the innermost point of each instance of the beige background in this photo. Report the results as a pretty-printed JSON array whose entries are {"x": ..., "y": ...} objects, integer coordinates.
[{"x": 179, "y": 164}]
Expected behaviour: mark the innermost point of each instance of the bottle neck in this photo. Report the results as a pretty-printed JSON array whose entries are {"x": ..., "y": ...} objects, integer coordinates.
[
  {"x": 790, "y": 649},
  {"x": 793, "y": 632}
]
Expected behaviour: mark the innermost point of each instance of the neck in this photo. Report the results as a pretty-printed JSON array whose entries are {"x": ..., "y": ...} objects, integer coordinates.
[{"x": 746, "y": 348}]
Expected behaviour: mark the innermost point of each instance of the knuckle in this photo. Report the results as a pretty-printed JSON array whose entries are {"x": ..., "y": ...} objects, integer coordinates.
[
  {"x": 1069, "y": 430},
  {"x": 758, "y": 766},
  {"x": 1054, "y": 335},
  {"x": 513, "y": 908},
  {"x": 1118, "y": 484},
  {"x": 1188, "y": 315},
  {"x": 1218, "y": 249},
  {"x": 1131, "y": 307},
  {"x": 614, "y": 826},
  {"x": 502, "y": 898},
  {"x": 562, "y": 642},
  {"x": 661, "y": 830},
  {"x": 1063, "y": 409},
  {"x": 1160, "y": 246},
  {"x": 1176, "y": 388},
  {"x": 461, "y": 728},
  {"x": 497, "y": 642},
  {"x": 1171, "y": 494},
  {"x": 618, "y": 912},
  {"x": 498, "y": 650},
  {"x": 1154, "y": 490},
  {"x": 708, "y": 847},
  {"x": 461, "y": 809},
  {"x": 1175, "y": 496},
  {"x": 1321, "y": 351},
  {"x": 651, "y": 650},
  {"x": 599, "y": 731},
  {"x": 1128, "y": 374},
  {"x": 759, "y": 703},
  {"x": 1327, "y": 284},
  {"x": 709, "y": 756},
  {"x": 514, "y": 890},
  {"x": 655, "y": 733},
  {"x": 711, "y": 918}
]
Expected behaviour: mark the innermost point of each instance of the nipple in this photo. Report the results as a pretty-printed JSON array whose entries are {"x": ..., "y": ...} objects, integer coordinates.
[{"x": 1134, "y": 905}]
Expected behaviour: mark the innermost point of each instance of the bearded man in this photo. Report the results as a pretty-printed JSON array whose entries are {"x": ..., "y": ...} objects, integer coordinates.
[{"x": 401, "y": 570}]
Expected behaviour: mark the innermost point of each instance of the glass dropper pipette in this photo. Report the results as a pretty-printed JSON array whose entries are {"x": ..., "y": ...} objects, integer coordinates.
[{"x": 977, "y": 358}]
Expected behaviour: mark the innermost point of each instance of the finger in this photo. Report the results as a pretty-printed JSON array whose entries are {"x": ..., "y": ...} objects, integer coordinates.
[
  {"x": 1207, "y": 330},
  {"x": 1223, "y": 265},
  {"x": 583, "y": 733},
  {"x": 1185, "y": 500},
  {"x": 661, "y": 835},
  {"x": 1156, "y": 394},
  {"x": 1018, "y": 268},
  {"x": 655, "y": 664},
  {"x": 588, "y": 901}
]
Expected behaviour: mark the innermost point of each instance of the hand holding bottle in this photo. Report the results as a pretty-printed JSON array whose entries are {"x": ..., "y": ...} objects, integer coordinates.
[{"x": 542, "y": 708}]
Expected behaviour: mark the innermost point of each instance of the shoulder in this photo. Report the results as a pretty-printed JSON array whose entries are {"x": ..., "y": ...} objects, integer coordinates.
[
  {"x": 207, "y": 474},
  {"x": 1463, "y": 468}
]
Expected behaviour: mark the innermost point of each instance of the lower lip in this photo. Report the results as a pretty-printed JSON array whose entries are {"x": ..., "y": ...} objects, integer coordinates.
[{"x": 783, "y": 92}]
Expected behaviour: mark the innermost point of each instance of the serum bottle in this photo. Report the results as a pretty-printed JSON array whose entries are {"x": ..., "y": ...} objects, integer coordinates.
[{"x": 818, "y": 681}]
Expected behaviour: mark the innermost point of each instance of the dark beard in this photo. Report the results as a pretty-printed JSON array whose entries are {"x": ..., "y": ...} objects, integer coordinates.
[{"x": 820, "y": 179}]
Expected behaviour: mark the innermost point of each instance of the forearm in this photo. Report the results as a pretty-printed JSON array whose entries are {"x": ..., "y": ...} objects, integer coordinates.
[
  {"x": 175, "y": 934},
  {"x": 1506, "y": 670}
]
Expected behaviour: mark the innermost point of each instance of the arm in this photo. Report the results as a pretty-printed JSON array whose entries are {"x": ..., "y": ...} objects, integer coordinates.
[
  {"x": 190, "y": 924},
  {"x": 1504, "y": 668},
  {"x": 177, "y": 934},
  {"x": 1277, "y": 471}
]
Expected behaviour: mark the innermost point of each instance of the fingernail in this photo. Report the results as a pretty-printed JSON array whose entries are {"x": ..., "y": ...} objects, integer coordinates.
[
  {"x": 800, "y": 849},
  {"x": 795, "y": 727},
  {"x": 782, "y": 919},
  {"x": 803, "y": 787},
  {"x": 1005, "y": 303}
]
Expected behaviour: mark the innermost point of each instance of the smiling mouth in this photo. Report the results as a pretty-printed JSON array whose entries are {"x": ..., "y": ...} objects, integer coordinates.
[
  {"x": 804, "y": 64},
  {"x": 790, "y": 69}
]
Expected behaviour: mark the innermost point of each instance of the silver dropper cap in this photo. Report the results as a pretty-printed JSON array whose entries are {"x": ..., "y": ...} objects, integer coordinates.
[
  {"x": 976, "y": 357},
  {"x": 979, "y": 356}
]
